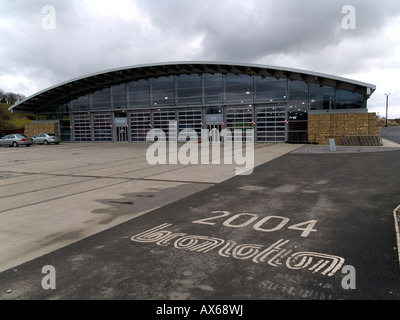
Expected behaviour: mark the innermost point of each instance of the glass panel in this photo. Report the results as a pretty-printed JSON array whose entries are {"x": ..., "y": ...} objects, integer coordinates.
[
  {"x": 189, "y": 96},
  {"x": 214, "y": 110},
  {"x": 140, "y": 122},
  {"x": 297, "y": 106},
  {"x": 270, "y": 123},
  {"x": 81, "y": 104},
  {"x": 190, "y": 119},
  {"x": 102, "y": 127},
  {"x": 163, "y": 91},
  {"x": 298, "y": 95},
  {"x": 238, "y": 88},
  {"x": 119, "y": 96},
  {"x": 65, "y": 127},
  {"x": 321, "y": 97},
  {"x": 189, "y": 89},
  {"x": 101, "y": 99},
  {"x": 296, "y": 85},
  {"x": 239, "y": 118},
  {"x": 213, "y": 88},
  {"x": 185, "y": 81},
  {"x": 56, "y": 108},
  {"x": 269, "y": 89},
  {"x": 161, "y": 118},
  {"x": 349, "y": 100},
  {"x": 297, "y": 90},
  {"x": 297, "y": 124},
  {"x": 82, "y": 127},
  {"x": 139, "y": 93}
]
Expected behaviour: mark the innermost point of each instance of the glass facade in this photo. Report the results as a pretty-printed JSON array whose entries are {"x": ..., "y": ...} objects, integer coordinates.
[
  {"x": 140, "y": 124},
  {"x": 238, "y": 120},
  {"x": 271, "y": 123},
  {"x": 102, "y": 129},
  {"x": 276, "y": 108}
]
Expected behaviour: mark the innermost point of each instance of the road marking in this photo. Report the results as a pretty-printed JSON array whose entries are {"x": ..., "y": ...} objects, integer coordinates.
[
  {"x": 274, "y": 255},
  {"x": 396, "y": 225}
]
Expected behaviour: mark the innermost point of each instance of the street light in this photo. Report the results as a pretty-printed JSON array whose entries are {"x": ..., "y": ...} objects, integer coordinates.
[{"x": 387, "y": 103}]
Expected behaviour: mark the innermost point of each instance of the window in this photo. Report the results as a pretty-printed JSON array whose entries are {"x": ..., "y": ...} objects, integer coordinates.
[
  {"x": 81, "y": 104},
  {"x": 119, "y": 96},
  {"x": 140, "y": 121},
  {"x": 102, "y": 127},
  {"x": 65, "y": 127},
  {"x": 269, "y": 89},
  {"x": 270, "y": 123},
  {"x": 162, "y": 119},
  {"x": 238, "y": 88},
  {"x": 321, "y": 97},
  {"x": 238, "y": 120},
  {"x": 189, "y": 89},
  {"x": 213, "y": 88},
  {"x": 349, "y": 100},
  {"x": 139, "y": 93},
  {"x": 297, "y": 90},
  {"x": 190, "y": 119},
  {"x": 163, "y": 91},
  {"x": 101, "y": 99},
  {"x": 82, "y": 127},
  {"x": 214, "y": 110}
]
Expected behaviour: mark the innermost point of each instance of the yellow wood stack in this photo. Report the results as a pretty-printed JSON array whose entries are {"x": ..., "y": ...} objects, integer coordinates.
[
  {"x": 322, "y": 127},
  {"x": 33, "y": 129}
]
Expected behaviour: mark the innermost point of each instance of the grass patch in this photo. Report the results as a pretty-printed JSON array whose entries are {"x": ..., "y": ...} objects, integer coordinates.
[{"x": 10, "y": 120}]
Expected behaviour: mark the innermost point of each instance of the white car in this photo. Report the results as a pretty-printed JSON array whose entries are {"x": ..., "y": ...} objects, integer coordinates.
[{"x": 46, "y": 138}]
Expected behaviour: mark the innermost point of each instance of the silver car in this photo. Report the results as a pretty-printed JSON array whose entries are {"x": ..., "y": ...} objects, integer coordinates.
[
  {"x": 15, "y": 140},
  {"x": 46, "y": 138}
]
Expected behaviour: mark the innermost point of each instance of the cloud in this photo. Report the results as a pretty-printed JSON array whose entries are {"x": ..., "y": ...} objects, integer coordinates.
[{"x": 95, "y": 35}]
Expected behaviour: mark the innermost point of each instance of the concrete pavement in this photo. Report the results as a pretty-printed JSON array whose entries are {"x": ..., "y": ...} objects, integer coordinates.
[{"x": 53, "y": 196}]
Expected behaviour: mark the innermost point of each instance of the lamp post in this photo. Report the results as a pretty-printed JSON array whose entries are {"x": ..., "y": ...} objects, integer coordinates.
[{"x": 387, "y": 104}]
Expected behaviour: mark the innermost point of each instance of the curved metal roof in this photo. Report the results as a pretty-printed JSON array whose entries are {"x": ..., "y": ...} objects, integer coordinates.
[{"x": 90, "y": 82}]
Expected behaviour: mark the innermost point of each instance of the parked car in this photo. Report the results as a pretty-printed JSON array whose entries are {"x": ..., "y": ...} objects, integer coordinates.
[
  {"x": 46, "y": 138},
  {"x": 15, "y": 140}
]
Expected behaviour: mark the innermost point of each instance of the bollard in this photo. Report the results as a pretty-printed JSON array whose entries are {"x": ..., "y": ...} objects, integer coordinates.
[{"x": 332, "y": 145}]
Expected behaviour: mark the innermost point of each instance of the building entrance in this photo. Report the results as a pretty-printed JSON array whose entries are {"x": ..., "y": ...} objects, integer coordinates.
[
  {"x": 121, "y": 126},
  {"x": 122, "y": 134},
  {"x": 214, "y": 132}
]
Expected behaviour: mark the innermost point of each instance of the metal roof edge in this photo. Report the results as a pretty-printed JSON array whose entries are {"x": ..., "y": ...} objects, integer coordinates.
[{"x": 189, "y": 62}]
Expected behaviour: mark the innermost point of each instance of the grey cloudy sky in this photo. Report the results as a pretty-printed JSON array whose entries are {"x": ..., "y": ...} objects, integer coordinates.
[{"x": 94, "y": 35}]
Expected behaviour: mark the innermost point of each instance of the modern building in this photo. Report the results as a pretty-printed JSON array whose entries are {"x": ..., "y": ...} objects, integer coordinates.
[{"x": 280, "y": 104}]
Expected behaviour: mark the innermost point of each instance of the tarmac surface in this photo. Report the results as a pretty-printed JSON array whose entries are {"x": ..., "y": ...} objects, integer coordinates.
[
  {"x": 391, "y": 133},
  {"x": 300, "y": 227}
]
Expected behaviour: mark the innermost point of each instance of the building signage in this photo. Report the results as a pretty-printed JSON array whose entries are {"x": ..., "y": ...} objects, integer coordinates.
[
  {"x": 120, "y": 121},
  {"x": 214, "y": 118}
]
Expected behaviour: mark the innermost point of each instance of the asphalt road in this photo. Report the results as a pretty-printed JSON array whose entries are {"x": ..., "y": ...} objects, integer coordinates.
[
  {"x": 286, "y": 232},
  {"x": 391, "y": 133}
]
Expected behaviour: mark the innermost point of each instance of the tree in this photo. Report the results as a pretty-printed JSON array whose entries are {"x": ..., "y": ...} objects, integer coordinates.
[
  {"x": 10, "y": 97},
  {"x": 5, "y": 124}
]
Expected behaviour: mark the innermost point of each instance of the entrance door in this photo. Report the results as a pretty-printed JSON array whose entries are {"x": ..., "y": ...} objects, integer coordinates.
[
  {"x": 122, "y": 134},
  {"x": 214, "y": 132}
]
